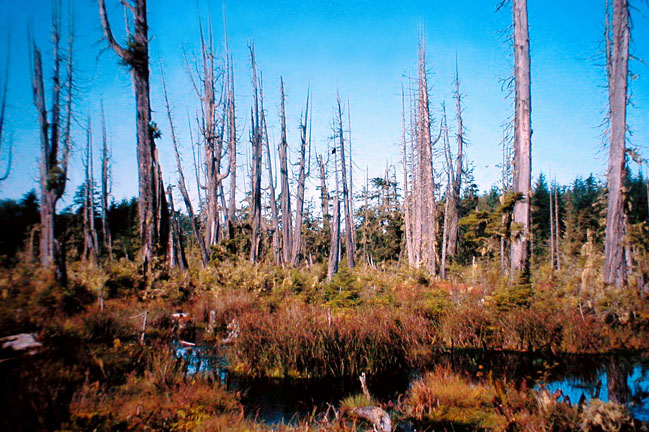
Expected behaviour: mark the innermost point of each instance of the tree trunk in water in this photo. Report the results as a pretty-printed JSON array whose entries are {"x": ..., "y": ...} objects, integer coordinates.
[
  {"x": 617, "y": 68},
  {"x": 520, "y": 247},
  {"x": 302, "y": 175}
]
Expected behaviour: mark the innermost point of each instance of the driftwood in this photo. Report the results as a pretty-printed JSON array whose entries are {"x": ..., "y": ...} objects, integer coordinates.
[
  {"x": 380, "y": 419},
  {"x": 21, "y": 342}
]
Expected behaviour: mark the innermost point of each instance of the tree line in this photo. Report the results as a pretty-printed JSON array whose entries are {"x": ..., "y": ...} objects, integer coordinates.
[{"x": 428, "y": 221}]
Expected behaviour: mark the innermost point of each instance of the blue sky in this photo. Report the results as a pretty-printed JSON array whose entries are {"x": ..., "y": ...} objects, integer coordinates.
[{"x": 364, "y": 50}]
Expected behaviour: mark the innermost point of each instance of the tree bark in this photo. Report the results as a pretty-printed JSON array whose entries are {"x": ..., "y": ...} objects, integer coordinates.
[
  {"x": 287, "y": 243},
  {"x": 90, "y": 234},
  {"x": 256, "y": 141},
  {"x": 105, "y": 187},
  {"x": 349, "y": 217},
  {"x": 151, "y": 203},
  {"x": 302, "y": 175},
  {"x": 205, "y": 257},
  {"x": 519, "y": 251},
  {"x": 277, "y": 247},
  {"x": 617, "y": 67},
  {"x": 53, "y": 164},
  {"x": 334, "y": 254}
]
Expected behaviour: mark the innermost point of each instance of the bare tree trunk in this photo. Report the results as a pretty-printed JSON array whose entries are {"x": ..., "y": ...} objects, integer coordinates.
[
  {"x": 520, "y": 248},
  {"x": 456, "y": 188},
  {"x": 3, "y": 106},
  {"x": 407, "y": 198},
  {"x": 205, "y": 257},
  {"x": 449, "y": 205},
  {"x": 334, "y": 254},
  {"x": 552, "y": 248},
  {"x": 105, "y": 187},
  {"x": 256, "y": 141},
  {"x": 287, "y": 242},
  {"x": 557, "y": 227},
  {"x": 152, "y": 203},
  {"x": 302, "y": 175},
  {"x": 176, "y": 249},
  {"x": 617, "y": 55},
  {"x": 232, "y": 148},
  {"x": 349, "y": 217},
  {"x": 90, "y": 234},
  {"x": 277, "y": 247},
  {"x": 428, "y": 212},
  {"x": 53, "y": 164},
  {"x": 324, "y": 193}
]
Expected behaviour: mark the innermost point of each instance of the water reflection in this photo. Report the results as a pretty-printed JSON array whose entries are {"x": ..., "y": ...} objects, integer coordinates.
[{"x": 620, "y": 380}]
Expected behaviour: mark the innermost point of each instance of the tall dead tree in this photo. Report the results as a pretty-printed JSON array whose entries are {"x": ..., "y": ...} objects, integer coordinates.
[
  {"x": 176, "y": 257},
  {"x": 617, "y": 60},
  {"x": 449, "y": 205},
  {"x": 105, "y": 187},
  {"x": 324, "y": 193},
  {"x": 256, "y": 137},
  {"x": 232, "y": 140},
  {"x": 274, "y": 212},
  {"x": 557, "y": 227},
  {"x": 55, "y": 140},
  {"x": 552, "y": 248},
  {"x": 287, "y": 243},
  {"x": 349, "y": 217},
  {"x": 407, "y": 193},
  {"x": 152, "y": 203},
  {"x": 3, "y": 105},
  {"x": 181, "y": 181},
  {"x": 520, "y": 245},
  {"x": 212, "y": 134},
  {"x": 305, "y": 139},
  {"x": 334, "y": 247},
  {"x": 90, "y": 243},
  {"x": 425, "y": 233}
]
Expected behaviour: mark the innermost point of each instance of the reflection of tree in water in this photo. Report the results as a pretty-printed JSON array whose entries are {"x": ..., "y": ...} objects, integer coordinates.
[{"x": 617, "y": 372}]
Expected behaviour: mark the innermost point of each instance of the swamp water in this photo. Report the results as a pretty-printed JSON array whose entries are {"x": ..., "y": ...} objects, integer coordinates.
[{"x": 619, "y": 378}]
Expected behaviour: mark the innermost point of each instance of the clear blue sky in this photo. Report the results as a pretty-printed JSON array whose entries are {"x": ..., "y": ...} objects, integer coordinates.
[{"x": 364, "y": 49}]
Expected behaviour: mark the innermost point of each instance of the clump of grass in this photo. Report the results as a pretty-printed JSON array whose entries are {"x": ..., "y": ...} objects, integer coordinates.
[{"x": 442, "y": 396}]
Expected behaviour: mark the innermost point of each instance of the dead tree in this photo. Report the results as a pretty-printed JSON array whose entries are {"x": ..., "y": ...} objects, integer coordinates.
[
  {"x": 277, "y": 250},
  {"x": 334, "y": 248},
  {"x": 349, "y": 217},
  {"x": 305, "y": 139},
  {"x": 324, "y": 193},
  {"x": 55, "y": 143},
  {"x": 426, "y": 219},
  {"x": 232, "y": 142},
  {"x": 617, "y": 59},
  {"x": 287, "y": 243},
  {"x": 176, "y": 249},
  {"x": 212, "y": 134},
  {"x": 520, "y": 245},
  {"x": 449, "y": 206},
  {"x": 205, "y": 257},
  {"x": 256, "y": 137},
  {"x": 152, "y": 202},
  {"x": 407, "y": 193},
  {"x": 3, "y": 105},
  {"x": 552, "y": 248},
  {"x": 557, "y": 227},
  {"x": 105, "y": 187},
  {"x": 90, "y": 243}
]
